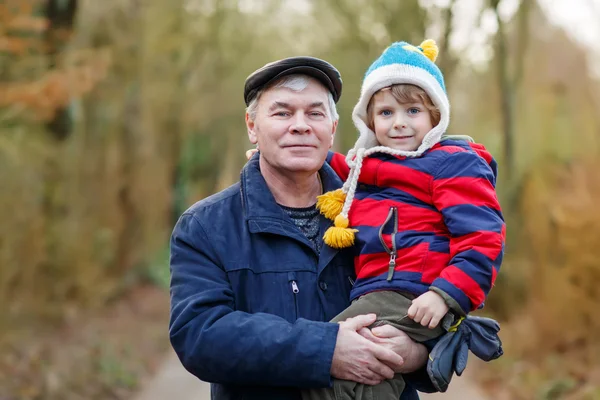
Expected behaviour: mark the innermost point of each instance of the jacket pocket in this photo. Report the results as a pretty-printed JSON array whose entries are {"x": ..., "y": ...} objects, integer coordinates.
[{"x": 278, "y": 293}]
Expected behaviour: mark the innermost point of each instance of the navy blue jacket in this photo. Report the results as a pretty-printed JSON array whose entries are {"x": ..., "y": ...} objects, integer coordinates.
[{"x": 236, "y": 320}]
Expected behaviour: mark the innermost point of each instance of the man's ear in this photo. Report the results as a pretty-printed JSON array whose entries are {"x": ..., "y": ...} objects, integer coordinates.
[
  {"x": 333, "y": 130},
  {"x": 251, "y": 132}
]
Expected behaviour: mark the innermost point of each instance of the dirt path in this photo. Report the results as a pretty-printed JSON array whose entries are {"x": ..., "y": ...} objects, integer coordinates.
[{"x": 174, "y": 382}]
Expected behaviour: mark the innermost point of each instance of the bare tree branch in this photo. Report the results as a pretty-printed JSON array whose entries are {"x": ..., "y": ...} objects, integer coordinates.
[
  {"x": 506, "y": 85},
  {"x": 447, "y": 61},
  {"x": 522, "y": 40}
]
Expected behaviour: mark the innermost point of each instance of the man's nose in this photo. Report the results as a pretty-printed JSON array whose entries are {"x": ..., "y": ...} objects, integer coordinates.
[{"x": 300, "y": 125}]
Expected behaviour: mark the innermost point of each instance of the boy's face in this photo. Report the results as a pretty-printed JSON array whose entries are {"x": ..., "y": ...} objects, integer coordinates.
[{"x": 399, "y": 126}]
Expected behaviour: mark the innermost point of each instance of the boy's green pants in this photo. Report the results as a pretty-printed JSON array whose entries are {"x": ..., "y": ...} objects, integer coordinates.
[{"x": 391, "y": 308}]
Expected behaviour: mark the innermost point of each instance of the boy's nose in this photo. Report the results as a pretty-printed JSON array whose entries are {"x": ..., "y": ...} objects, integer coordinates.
[{"x": 399, "y": 123}]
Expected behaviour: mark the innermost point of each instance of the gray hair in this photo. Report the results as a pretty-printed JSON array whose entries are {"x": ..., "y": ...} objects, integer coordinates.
[{"x": 296, "y": 83}]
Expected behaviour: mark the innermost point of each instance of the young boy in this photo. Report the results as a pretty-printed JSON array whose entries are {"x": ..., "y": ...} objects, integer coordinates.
[{"x": 421, "y": 210}]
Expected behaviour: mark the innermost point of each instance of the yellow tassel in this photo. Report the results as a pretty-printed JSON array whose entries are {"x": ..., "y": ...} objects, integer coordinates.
[
  {"x": 430, "y": 49},
  {"x": 340, "y": 236},
  {"x": 331, "y": 203}
]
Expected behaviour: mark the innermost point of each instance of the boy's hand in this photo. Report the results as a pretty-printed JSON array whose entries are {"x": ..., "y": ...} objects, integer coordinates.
[
  {"x": 250, "y": 153},
  {"x": 428, "y": 309}
]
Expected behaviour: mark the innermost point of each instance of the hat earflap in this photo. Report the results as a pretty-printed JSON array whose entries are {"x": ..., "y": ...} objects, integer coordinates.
[
  {"x": 330, "y": 204},
  {"x": 340, "y": 235}
]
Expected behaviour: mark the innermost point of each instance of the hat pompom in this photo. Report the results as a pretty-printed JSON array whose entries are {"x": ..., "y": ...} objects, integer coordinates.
[
  {"x": 430, "y": 49},
  {"x": 340, "y": 236},
  {"x": 331, "y": 203}
]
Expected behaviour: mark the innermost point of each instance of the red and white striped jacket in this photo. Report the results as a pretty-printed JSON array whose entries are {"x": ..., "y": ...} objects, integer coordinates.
[{"x": 428, "y": 222}]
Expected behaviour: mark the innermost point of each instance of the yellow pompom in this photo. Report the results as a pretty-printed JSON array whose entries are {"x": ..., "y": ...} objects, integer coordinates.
[
  {"x": 430, "y": 49},
  {"x": 340, "y": 236},
  {"x": 331, "y": 203},
  {"x": 341, "y": 221}
]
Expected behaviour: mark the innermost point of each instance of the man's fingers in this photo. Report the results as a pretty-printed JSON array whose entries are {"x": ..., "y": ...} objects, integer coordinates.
[
  {"x": 366, "y": 377},
  {"x": 387, "y": 331},
  {"x": 370, "y": 382},
  {"x": 360, "y": 321},
  {"x": 412, "y": 310},
  {"x": 388, "y": 357},
  {"x": 382, "y": 370},
  {"x": 367, "y": 334}
]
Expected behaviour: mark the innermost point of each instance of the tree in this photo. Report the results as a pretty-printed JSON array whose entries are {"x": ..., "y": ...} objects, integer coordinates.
[{"x": 510, "y": 76}]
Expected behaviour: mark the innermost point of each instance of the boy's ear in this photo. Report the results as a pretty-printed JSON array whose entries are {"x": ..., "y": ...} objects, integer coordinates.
[{"x": 250, "y": 125}]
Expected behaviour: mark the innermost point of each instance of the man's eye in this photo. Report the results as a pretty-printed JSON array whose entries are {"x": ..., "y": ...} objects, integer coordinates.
[
  {"x": 282, "y": 113},
  {"x": 317, "y": 114}
]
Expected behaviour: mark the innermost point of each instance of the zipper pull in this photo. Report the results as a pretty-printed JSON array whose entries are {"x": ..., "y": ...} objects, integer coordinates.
[
  {"x": 392, "y": 267},
  {"x": 295, "y": 287}
]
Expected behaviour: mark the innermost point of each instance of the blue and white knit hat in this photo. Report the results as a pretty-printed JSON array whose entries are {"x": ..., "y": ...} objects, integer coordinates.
[
  {"x": 403, "y": 63},
  {"x": 400, "y": 63}
]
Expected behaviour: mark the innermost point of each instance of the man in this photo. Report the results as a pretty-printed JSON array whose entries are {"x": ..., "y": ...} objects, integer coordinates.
[{"x": 252, "y": 285}]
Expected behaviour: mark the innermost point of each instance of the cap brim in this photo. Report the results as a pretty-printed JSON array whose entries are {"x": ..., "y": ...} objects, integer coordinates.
[{"x": 321, "y": 70}]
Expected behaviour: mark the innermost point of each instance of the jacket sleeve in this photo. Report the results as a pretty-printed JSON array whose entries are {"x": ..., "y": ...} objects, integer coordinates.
[
  {"x": 337, "y": 162},
  {"x": 219, "y": 344},
  {"x": 463, "y": 191}
]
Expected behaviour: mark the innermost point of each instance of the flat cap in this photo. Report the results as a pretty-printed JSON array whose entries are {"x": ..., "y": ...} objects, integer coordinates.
[{"x": 319, "y": 69}]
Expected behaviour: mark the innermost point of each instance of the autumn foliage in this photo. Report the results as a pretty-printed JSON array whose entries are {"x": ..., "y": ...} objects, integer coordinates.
[{"x": 116, "y": 115}]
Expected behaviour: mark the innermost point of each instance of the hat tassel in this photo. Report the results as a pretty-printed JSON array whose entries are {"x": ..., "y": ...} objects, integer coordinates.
[
  {"x": 340, "y": 236},
  {"x": 331, "y": 203}
]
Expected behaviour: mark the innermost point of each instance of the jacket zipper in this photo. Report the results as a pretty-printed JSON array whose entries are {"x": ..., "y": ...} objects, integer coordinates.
[
  {"x": 393, "y": 251},
  {"x": 295, "y": 291}
]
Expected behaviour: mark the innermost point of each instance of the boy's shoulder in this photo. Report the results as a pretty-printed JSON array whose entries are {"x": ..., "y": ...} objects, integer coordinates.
[
  {"x": 451, "y": 146},
  {"x": 464, "y": 156},
  {"x": 446, "y": 151},
  {"x": 466, "y": 145}
]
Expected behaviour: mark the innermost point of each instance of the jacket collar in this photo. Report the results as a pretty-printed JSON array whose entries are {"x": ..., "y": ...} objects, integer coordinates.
[
  {"x": 264, "y": 215},
  {"x": 258, "y": 201}
]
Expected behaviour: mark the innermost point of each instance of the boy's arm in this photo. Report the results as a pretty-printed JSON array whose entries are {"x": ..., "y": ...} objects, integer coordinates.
[
  {"x": 463, "y": 190},
  {"x": 337, "y": 162}
]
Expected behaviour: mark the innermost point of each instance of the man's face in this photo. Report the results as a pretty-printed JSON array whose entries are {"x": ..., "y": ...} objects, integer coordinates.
[{"x": 294, "y": 130}]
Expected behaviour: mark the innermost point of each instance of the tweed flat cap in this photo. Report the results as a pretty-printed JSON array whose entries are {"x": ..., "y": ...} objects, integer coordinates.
[{"x": 319, "y": 69}]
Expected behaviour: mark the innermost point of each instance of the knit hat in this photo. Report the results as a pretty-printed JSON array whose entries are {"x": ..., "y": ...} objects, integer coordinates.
[{"x": 400, "y": 63}]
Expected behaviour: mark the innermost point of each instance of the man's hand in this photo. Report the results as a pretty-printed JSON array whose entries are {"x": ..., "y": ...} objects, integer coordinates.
[
  {"x": 360, "y": 360},
  {"x": 414, "y": 354},
  {"x": 428, "y": 309}
]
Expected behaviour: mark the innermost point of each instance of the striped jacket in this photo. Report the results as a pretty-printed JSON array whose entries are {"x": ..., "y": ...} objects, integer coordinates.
[{"x": 432, "y": 222}]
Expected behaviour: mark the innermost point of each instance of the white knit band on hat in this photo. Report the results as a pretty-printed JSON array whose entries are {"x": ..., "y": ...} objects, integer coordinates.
[{"x": 402, "y": 63}]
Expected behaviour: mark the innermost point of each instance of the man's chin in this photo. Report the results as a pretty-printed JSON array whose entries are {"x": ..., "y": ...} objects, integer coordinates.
[{"x": 302, "y": 164}]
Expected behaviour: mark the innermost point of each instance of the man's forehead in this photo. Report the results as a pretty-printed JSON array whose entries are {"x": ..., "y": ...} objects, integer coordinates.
[
  {"x": 283, "y": 104},
  {"x": 313, "y": 94}
]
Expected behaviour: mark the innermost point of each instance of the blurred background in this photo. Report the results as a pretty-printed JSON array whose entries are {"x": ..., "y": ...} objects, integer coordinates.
[{"x": 116, "y": 115}]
